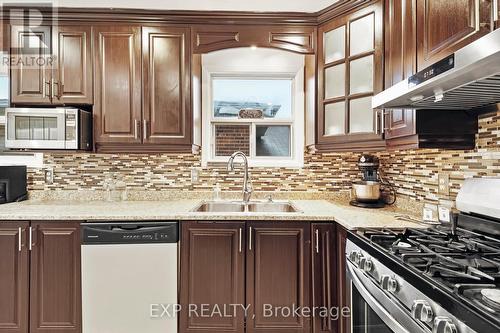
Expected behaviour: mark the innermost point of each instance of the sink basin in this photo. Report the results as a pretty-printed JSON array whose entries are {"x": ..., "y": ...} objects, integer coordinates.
[{"x": 240, "y": 207}]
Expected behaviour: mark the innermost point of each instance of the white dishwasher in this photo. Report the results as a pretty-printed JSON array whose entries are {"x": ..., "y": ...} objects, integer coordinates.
[{"x": 127, "y": 270}]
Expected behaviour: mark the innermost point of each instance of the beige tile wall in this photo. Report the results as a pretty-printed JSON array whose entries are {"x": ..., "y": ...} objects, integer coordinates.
[{"x": 414, "y": 172}]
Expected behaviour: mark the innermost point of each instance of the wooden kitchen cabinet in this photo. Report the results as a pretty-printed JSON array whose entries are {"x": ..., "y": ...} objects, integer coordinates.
[
  {"x": 40, "y": 284},
  {"x": 14, "y": 277},
  {"x": 31, "y": 83},
  {"x": 445, "y": 26},
  {"x": 324, "y": 276},
  {"x": 118, "y": 85},
  {"x": 64, "y": 72},
  {"x": 278, "y": 274},
  {"x": 342, "y": 295},
  {"x": 350, "y": 72},
  {"x": 55, "y": 284},
  {"x": 167, "y": 87},
  {"x": 411, "y": 129},
  {"x": 72, "y": 74},
  {"x": 213, "y": 273},
  {"x": 143, "y": 89}
]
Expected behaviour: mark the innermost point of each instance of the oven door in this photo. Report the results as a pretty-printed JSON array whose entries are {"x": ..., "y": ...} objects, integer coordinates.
[
  {"x": 373, "y": 310},
  {"x": 31, "y": 128}
]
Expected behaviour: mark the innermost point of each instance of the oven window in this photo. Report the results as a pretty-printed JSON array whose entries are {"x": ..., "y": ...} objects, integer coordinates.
[{"x": 364, "y": 319}]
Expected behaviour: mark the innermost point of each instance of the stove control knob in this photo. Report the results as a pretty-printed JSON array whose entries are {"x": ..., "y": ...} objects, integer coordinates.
[
  {"x": 422, "y": 311},
  {"x": 389, "y": 283},
  {"x": 356, "y": 257},
  {"x": 366, "y": 264},
  {"x": 444, "y": 325}
]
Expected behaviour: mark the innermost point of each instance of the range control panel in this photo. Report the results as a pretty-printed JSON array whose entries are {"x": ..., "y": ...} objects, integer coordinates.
[
  {"x": 432, "y": 71},
  {"x": 128, "y": 233}
]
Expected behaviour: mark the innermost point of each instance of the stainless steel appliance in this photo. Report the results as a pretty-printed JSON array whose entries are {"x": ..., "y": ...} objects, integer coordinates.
[
  {"x": 465, "y": 80},
  {"x": 372, "y": 191},
  {"x": 56, "y": 128},
  {"x": 13, "y": 183},
  {"x": 126, "y": 269},
  {"x": 444, "y": 279}
]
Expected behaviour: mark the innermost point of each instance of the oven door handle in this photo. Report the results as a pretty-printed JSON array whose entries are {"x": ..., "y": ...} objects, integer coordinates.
[{"x": 373, "y": 301}]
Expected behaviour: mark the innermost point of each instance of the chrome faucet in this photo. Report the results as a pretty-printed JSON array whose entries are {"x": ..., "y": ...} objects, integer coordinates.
[{"x": 247, "y": 183}]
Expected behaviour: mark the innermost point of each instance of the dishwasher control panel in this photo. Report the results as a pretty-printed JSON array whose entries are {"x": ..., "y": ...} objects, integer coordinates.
[{"x": 130, "y": 233}]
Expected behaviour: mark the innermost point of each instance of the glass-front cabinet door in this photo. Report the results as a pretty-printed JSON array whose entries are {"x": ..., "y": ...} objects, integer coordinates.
[{"x": 350, "y": 72}]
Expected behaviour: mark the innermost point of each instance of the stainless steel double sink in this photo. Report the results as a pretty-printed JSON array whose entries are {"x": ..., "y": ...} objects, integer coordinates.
[{"x": 242, "y": 207}]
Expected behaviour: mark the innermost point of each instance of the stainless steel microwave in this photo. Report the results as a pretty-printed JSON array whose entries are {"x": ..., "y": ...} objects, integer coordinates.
[{"x": 52, "y": 128}]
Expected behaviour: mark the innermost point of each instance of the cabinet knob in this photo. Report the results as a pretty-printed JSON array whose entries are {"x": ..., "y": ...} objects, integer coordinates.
[
  {"x": 422, "y": 311},
  {"x": 444, "y": 325}
]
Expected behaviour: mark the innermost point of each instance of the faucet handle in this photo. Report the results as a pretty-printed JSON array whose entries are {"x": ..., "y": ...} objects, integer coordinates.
[{"x": 269, "y": 198}]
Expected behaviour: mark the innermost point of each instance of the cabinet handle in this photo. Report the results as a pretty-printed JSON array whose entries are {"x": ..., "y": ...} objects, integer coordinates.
[
  {"x": 495, "y": 10},
  {"x": 377, "y": 119},
  {"x": 145, "y": 129},
  {"x": 317, "y": 241},
  {"x": 250, "y": 239},
  {"x": 136, "y": 124},
  {"x": 48, "y": 92},
  {"x": 31, "y": 239},
  {"x": 59, "y": 89},
  {"x": 239, "y": 244},
  {"x": 384, "y": 115},
  {"x": 20, "y": 239},
  {"x": 52, "y": 88}
]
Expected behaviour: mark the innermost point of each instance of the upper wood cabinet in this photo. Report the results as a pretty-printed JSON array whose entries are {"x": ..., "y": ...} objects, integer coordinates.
[
  {"x": 72, "y": 73},
  {"x": 118, "y": 85},
  {"x": 142, "y": 89},
  {"x": 278, "y": 274},
  {"x": 445, "y": 26},
  {"x": 31, "y": 82},
  {"x": 14, "y": 277},
  {"x": 350, "y": 72},
  {"x": 167, "y": 86},
  {"x": 57, "y": 66}
]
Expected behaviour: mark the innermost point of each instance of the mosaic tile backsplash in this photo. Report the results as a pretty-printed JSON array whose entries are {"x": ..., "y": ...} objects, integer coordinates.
[{"x": 413, "y": 172}]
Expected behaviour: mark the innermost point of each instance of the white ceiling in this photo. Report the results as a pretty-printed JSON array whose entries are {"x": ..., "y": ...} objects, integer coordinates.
[{"x": 231, "y": 5}]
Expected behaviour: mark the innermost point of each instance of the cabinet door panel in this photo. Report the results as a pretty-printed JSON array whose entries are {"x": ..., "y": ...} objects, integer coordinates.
[
  {"x": 212, "y": 273},
  {"x": 31, "y": 78},
  {"x": 14, "y": 275},
  {"x": 73, "y": 76},
  {"x": 446, "y": 26},
  {"x": 278, "y": 275},
  {"x": 167, "y": 94},
  {"x": 117, "y": 107},
  {"x": 324, "y": 274},
  {"x": 55, "y": 298}
]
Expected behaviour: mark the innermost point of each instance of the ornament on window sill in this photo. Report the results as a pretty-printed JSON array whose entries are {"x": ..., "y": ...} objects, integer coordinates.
[{"x": 251, "y": 114}]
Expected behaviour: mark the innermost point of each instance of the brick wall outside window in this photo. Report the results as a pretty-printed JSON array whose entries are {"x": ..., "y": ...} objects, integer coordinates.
[{"x": 231, "y": 138}]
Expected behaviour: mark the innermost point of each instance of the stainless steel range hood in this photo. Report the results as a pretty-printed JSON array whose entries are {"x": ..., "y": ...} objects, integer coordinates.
[{"x": 468, "y": 79}]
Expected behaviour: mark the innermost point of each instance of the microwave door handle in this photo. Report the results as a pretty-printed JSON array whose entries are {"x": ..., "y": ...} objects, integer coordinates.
[{"x": 374, "y": 304}]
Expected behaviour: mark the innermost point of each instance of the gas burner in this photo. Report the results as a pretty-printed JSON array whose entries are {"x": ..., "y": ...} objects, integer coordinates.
[{"x": 491, "y": 297}]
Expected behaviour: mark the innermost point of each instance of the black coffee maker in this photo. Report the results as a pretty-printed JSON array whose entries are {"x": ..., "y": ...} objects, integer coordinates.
[{"x": 372, "y": 191}]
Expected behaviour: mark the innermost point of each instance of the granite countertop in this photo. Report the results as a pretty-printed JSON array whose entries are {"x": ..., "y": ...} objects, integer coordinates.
[{"x": 311, "y": 210}]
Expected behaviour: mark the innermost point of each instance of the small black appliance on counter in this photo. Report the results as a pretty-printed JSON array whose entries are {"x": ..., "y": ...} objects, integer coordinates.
[{"x": 13, "y": 185}]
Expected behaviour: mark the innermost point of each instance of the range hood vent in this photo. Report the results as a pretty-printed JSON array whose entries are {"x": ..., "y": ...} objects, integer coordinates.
[{"x": 468, "y": 79}]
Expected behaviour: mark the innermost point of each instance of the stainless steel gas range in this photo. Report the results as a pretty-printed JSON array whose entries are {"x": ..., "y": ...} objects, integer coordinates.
[{"x": 444, "y": 279}]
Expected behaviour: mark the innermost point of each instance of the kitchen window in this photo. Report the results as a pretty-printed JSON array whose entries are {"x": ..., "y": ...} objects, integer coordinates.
[{"x": 258, "y": 113}]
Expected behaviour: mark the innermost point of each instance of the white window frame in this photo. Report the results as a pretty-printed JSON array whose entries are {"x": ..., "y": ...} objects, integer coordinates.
[{"x": 296, "y": 122}]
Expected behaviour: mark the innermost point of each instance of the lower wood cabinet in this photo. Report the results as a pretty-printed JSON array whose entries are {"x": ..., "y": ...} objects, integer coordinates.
[
  {"x": 40, "y": 282},
  {"x": 325, "y": 276},
  {"x": 257, "y": 264},
  {"x": 212, "y": 274}
]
